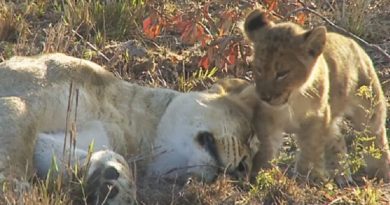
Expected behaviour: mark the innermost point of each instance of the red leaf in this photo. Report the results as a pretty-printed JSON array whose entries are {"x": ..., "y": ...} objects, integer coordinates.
[
  {"x": 186, "y": 36},
  {"x": 199, "y": 32},
  {"x": 152, "y": 26},
  {"x": 147, "y": 23},
  {"x": 179, "y": 24},
  {"x": 205, "y": 39},
  {"x": 301, "y": 18},
  {"x": 192, "y": 33},
  {"x": 271, "y": 4},
  {"x": 204, "y": 62},
  {"x": 232, "y": 55}
]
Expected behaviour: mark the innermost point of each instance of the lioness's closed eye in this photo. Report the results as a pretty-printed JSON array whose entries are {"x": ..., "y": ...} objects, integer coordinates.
[
  {"x": 201, "y": 134},
  {"x": 307, "y": 81}
]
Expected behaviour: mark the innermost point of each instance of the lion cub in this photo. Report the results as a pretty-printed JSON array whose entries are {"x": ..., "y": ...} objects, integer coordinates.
[{"x": 308, "y": 81}]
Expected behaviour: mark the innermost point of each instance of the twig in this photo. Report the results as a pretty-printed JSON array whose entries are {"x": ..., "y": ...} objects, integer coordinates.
[
  {"x": 206, "y": 14},
  {"x": 330, "y": 5},
  {"x": 355, "y": 37},
  {"x": 335, "y": 200},
  {"x": 73, "y": 136},
  {"x": 68, "y": 111},
  {"x": 91, "y": 45},
  {"x": 225, "y": 40}
]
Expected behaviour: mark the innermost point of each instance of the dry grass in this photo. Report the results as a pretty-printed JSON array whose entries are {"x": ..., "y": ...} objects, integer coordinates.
[{"x": 110, "y": 33}]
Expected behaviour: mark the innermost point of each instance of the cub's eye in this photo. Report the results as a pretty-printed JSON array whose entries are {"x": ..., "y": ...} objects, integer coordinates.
[{"x": 282, "y": 74}]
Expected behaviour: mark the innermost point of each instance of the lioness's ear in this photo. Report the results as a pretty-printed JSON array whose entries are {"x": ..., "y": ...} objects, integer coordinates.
[
  {"x": 314, "y": 41},
  {"x": 256, "y": 20},
  {"x": 248, "y": 100},
  {"x": 228, "y": 85}
]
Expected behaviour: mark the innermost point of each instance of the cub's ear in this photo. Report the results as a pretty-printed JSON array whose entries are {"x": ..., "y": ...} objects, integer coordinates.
[
  {"x": 256, "y": 20},
  {"x": 314, "y": 41}
]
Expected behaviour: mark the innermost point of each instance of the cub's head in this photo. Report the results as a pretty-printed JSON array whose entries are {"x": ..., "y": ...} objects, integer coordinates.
[
  {"x": 284, "y": 55},
  {"x": 205, "y": 134}
]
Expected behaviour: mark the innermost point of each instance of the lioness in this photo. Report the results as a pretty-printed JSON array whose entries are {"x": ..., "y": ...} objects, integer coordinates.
[
  {"x": 308, "y": 81},
  {"x": 199, "y": 134}
]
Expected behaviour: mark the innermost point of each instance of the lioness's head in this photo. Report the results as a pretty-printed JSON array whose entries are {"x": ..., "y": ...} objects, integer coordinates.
[
  {"x": 203, "y": 135},
  {"x": 284, "y": 55}
]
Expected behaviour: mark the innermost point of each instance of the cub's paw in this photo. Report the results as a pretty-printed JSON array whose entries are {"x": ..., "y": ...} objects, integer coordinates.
[
  {"x": 109, "y": 180},
  {"x": 343, "y": 180}
]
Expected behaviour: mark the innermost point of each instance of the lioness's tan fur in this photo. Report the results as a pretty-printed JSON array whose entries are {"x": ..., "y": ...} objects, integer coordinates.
[
  {"x": 200, "y": 134},
  {"x": 35, "y": 100},
  {"x": 308, "y": 81}
]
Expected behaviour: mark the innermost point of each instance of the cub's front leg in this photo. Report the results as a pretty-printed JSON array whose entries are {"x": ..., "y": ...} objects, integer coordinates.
[
  {"x": 312, "y": 138},
  {"x": 269, "y": 129}
]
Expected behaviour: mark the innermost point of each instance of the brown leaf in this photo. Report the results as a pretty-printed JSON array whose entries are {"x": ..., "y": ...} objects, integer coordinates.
[{"x": 227, "y": 19}]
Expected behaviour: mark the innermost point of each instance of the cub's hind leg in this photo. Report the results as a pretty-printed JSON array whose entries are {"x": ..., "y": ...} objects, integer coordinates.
[
  {"x": 368, "y": 117},
  {"x": 336, "y": 155}
]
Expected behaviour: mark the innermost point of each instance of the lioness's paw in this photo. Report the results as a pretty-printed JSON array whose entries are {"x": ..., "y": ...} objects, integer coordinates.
[{"x": 109, "y": 180}]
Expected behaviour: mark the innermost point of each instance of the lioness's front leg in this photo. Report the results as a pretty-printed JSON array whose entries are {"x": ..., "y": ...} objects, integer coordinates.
[{"x": 17, "y": 138}]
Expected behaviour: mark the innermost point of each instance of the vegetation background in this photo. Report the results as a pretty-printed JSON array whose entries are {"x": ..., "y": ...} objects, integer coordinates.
[{"x": 186, "y": 45}]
